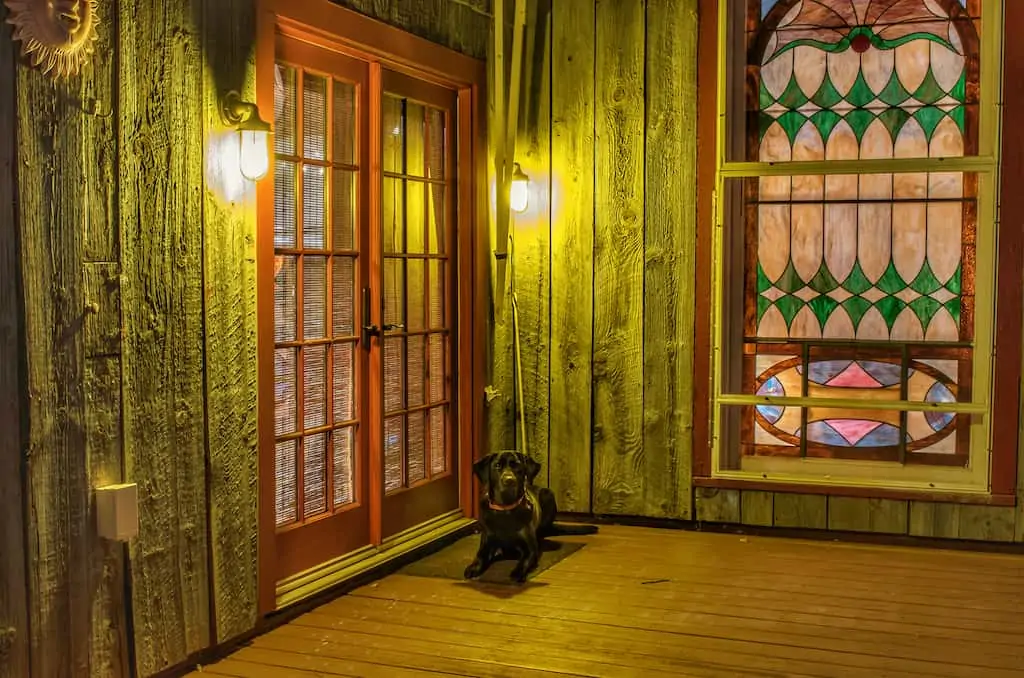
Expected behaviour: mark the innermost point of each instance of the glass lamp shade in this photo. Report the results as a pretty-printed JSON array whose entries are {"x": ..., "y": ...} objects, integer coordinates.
[
  {"x": 253, "y": 154},
  {"x": 519, "y": 193}
]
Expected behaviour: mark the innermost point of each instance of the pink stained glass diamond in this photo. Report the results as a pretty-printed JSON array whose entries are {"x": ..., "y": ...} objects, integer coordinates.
[
  {"x": 854, "y": 376},
  {"x": 853, "y": 430}
]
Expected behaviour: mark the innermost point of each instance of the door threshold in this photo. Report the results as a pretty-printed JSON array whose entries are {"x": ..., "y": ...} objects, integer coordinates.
[{"x": 303, "y": 585}]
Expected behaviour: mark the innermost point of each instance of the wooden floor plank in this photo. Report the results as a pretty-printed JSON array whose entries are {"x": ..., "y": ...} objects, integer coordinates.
[
  {"x": 919, "y": 644},
  {"x": 647, "y": 602},
  {"x": 522, "y": 640},
  {"x": 245, "y": 669}
]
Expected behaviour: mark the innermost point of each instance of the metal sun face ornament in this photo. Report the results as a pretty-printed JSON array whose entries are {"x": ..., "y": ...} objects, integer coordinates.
[{"x": 56, "y": 36}]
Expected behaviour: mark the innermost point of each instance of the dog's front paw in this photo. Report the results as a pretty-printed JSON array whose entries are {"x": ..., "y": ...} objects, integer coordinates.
[
  {"x": 519, "y": 573},
  {"x": 473, "y": 570}
]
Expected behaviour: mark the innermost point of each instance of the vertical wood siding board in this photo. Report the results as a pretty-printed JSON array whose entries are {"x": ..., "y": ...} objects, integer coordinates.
[
  {"x": 669, "y": 220},
  {"x": 14, "y": 613},
  {"x": 532, "y": 231},
  {"x": 756, "y": 508},
  {"x": 229, "y": 317},
  {"x": 109, "y": 642},
  {"x": 161, "y": 213},
  {"x": 572, "y": 231},
  {"x": 620, "y": 463},
  {"x": 104, "y": 459},
  {"x": 659, "y": 321},
  {"x": 500, "y": 408},
  {"x": 801, "y": 510},
  {"x": 53, "y": 140}
]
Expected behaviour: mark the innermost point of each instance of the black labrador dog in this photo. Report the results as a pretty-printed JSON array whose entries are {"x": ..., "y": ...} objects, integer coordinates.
[{"x": 515, "y": 515}]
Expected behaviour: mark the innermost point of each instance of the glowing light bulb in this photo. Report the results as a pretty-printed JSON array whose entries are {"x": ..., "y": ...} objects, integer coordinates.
[
  {"x": 253, "y": 154},
  {"x": 519, "y": 193}
]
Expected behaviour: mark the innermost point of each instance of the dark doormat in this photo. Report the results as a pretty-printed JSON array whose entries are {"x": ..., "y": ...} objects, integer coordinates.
[{"x": 451, "y": 561}]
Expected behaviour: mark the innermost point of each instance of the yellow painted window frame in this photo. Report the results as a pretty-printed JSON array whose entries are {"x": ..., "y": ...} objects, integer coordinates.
[{"x": 973, "y": 479}]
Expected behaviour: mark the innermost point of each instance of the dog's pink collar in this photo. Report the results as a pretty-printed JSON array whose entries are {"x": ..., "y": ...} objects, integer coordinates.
[{"x": 505, "y": 507}]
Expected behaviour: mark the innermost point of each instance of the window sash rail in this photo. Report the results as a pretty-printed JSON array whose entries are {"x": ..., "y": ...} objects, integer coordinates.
[
  {"x": 853, "y": 403},
  {"x": 977, "y": 164}
]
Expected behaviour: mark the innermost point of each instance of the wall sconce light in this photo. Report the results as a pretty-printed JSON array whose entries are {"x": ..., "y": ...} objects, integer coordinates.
[
  {"x": 519, "y": 193},
  {"x": 253, "y": 132}
]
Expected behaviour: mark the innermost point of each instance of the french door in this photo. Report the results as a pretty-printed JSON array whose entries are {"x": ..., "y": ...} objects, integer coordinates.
[{"x": 364, "y": 218}]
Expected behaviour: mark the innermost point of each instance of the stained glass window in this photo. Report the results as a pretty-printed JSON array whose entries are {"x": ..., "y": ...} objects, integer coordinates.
[{"x": 860, "y": 286}]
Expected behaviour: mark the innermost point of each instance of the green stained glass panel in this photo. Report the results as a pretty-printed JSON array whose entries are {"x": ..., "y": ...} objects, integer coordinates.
[
  {"x": 823, "y": 282},
  {"x": 791, "y": 122},
  {"x": 827, "y": 95},
  {"x": 763, "y": 283},
  {"x": 929, "y": 118},
  {"x": 891, "y": 282},
  {"x": 894, "y": 93},
  {"x": 826, "y": 121},
  {"x": 860, "y": 94},
  {"x": 953, "y": 284},
  {"x": 856, "y": 307},
  {"x": 890, "y": 308},
  {"x": 894, "y": 119},
  {"x": 925, "y": 309},
  {"x": 822, "y": 307},
  {"x": 763, "y": 304},
  {"x": 857, "y": 282},
  {"x": 793, "y": 97},
  {"x": 859, "y": 119},
  {"x": 925, "y": 282},
  {"x": 790, "y": 280},
  {"x": 929, "y": 91},
  {"x": 789, "y": 306},
  {"x": 953, "y": 306}
]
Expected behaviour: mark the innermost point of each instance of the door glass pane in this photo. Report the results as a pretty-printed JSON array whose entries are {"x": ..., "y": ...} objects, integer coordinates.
[
  {"x": 315, "y": 310},
  {"x": 314, "y": 207},
  {"x": 415, "y": 222},
  {"x": 285, "y": 215},
  {"x": 416, "y": 445},
  {"x": 343, "y": 295},
  {"x": 343, "y": 209},
  {"x": 393, "y": 211},
  {"x": 416, "y": 370},
  {"x": 393, "y": 447},
  {"x": 344, "y": 122},
  {"x": 314, "y": 117},
  {"x": 438, "y": 428},
  {"x": 314, "y": 474},
  {"x": 314, "y": 297},
  {"x": 344, "y": 465}
]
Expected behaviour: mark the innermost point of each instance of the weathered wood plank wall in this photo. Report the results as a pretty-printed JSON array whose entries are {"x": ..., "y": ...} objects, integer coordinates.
[
  {"x": 604, "y": 265},
  {"x": 228, "y": 30},
  {"x": 854, "y": 514},
  {"x": 137, "y": 246},
  {"x": 69, "y": 254},
  {"x": 14, "y": 630},
  {"x": 161, "y": 198}
]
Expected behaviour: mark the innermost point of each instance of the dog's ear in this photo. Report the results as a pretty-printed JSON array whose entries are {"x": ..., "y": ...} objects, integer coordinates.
[
  {"x": 481, "y": 466},
  {"x": 532, "y": 467}
]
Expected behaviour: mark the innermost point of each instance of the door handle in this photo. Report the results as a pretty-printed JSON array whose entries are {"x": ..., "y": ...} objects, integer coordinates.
[
  {"x": 394, "y": 326},
  {"x": 369, "y": 329}
]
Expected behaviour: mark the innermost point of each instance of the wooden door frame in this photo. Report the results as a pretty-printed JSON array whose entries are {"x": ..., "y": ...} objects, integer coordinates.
[{"x": 335, "y": 28}]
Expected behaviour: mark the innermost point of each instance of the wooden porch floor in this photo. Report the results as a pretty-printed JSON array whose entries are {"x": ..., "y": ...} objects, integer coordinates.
[{"x": 646, "y": 602}]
